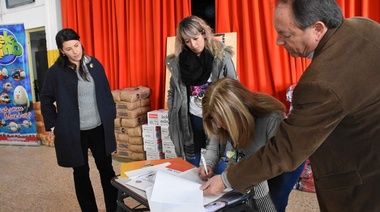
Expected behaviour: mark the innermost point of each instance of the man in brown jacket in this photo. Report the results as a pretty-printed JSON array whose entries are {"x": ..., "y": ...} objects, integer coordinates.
[{"x": 336, "y": 110}]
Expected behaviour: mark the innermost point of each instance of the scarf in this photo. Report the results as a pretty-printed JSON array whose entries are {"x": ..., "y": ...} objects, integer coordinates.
[{"x": 195, "y": 70}]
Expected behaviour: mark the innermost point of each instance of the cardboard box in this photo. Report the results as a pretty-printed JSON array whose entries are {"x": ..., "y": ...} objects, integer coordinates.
[
  {"x": 168, "y": 146},
  {"x": 168, "y": 155},
  {"x": 150, "y": 155},
  {"x": 151, "y": 131},
  {"x": 153, "y": 145},
  {"x": 165, "y": 132},
  {"x": 158, "y": 117}
]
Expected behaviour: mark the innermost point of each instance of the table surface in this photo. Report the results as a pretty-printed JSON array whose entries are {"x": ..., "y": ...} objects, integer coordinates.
[{"x": 139, "y": 195}]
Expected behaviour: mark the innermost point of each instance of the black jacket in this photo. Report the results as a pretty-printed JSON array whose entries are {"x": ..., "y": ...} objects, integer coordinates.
[{"x": 61, "y": 86}]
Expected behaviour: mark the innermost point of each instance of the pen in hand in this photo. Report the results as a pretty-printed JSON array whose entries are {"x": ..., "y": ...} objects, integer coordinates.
[{"x": 204, "y": 165}]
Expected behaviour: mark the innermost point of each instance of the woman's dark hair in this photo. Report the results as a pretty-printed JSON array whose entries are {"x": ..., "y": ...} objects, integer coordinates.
[
  {"x": 63, "y": 35},
  {"x": 307, "y": 12}
]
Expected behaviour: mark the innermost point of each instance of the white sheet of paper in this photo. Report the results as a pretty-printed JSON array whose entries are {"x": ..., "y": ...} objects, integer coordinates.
[
  {"x": 142, "y": 181},
  {"x": 192, "y": 175},
  {"x": 172, "y": 194},
  {"x": 145, "y": 177},
  {"x": 145, "y": 170}
]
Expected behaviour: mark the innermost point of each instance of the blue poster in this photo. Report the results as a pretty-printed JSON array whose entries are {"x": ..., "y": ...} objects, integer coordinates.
[{"x": 17, "y": 121}]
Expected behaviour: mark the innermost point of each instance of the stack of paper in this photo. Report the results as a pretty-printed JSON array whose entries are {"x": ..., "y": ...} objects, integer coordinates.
[
  {"x": 170, "y": 190},
  {"x": 172, "y": 194}
]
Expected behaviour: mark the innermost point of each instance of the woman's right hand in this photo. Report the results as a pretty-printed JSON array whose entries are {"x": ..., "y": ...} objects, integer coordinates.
[{"x": 202, "y": 173}]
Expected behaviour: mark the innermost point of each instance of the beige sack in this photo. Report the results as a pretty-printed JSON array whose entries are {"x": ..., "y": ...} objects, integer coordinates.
[{"x": 133, "y": 94}]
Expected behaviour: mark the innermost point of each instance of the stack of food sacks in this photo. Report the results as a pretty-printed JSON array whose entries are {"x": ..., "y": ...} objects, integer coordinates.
[
  {"x": 46, "y": 137},
  {"x": 132, "y": 105}
]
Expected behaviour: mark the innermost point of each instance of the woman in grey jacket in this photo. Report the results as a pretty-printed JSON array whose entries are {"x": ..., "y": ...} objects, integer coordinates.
[
  {"x": 198, "y": 61},
  {"x": 243, "y": 121},
  {"x": 77, "y": 104}
]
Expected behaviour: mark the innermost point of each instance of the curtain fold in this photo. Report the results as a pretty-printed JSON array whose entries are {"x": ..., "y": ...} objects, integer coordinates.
[
  {"x": 263, "y": 66},
  {"x": 128, "y": 38}
]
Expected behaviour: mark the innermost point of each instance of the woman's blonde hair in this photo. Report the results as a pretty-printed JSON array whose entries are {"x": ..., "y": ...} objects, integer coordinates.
[
  {"x": 230, "y": 104},
  {"x": 191, "y": 27}
]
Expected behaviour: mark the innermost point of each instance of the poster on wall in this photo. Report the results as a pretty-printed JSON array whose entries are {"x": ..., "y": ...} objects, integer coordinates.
[{"x": 17, "y": 121}]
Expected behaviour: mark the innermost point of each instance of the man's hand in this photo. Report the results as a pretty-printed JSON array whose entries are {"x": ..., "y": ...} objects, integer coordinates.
[{"x": 214, "y": 186}]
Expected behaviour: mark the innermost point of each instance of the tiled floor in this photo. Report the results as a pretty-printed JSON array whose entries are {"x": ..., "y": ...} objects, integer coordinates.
[
  {"x": 300, "y": 201},
  {"x": 31, "y": 180}
]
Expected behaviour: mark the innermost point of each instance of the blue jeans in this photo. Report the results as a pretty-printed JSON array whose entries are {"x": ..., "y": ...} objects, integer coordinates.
[
  {"x": 281, "y": 186},
  {"x": 220, "y": 167},
  {"x": 196, "y": 159}
]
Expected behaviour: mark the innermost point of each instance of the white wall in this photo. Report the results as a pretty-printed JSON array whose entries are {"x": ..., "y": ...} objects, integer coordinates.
[{"x": 41, "y": 13}]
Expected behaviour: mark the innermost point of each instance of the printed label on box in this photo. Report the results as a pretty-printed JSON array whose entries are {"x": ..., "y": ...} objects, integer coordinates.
[
  {"x": 165, "y": 132},
  {"x": 151, "y": 131},
  {"x": 158, "y": 117}
]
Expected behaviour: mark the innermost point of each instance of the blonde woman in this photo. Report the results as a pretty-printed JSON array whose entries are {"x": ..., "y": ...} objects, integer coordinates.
[
  {"x": 243, "y": 121},
  {"x": 198, "y": 61}
]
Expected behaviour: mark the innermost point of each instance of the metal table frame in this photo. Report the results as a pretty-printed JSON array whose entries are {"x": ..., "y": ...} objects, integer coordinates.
[{"x": 125, "y": 191}]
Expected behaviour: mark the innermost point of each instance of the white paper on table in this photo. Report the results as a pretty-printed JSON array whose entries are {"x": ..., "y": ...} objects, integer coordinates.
[
  {"x": 172, "y": 194},
  {"x": 145, "y": 170},
  {"x": 142, "y": 181},
  {"x": 192, "y": 175},
  {"x": 145, "y": 177}
]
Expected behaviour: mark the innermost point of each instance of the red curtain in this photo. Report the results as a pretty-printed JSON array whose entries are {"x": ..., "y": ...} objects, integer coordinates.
[
  {"x": 261, "y": 65},
  {"x": 128, "y": 37}
]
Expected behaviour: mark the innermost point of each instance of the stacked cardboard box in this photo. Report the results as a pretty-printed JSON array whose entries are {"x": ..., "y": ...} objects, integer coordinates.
[
  {"x": 157, "y": 142},
  {"x": 167, "y": 144},
  {"x": 132, "y": 105}
]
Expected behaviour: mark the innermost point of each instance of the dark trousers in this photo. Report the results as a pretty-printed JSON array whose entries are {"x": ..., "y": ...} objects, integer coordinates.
[
  {"x": 94, "y": 140},
  {"x": 200, "y": 139},
  {"x": 281, "y": 186}
]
